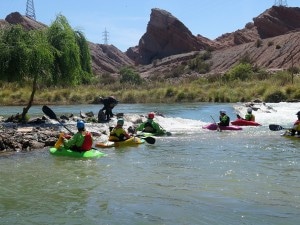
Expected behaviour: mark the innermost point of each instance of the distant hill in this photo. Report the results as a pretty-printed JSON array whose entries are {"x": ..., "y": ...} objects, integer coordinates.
[{"x": 271, "y": 41}]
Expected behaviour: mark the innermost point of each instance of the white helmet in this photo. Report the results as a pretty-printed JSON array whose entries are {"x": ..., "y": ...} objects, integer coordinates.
[{"x": 249, "y": 110}]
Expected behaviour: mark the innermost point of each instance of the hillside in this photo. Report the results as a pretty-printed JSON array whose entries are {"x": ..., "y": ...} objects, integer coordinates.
[{"x": 271, "y": 41}]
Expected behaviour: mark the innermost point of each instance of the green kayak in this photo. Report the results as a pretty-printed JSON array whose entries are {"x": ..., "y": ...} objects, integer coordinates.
[{"x": 67, "y": 152}]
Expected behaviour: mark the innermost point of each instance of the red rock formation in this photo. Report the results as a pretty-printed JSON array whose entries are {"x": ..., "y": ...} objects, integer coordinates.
[
  {"x": 27, "y": 23},
  {"x": 277, "y": 20},
  {"x": 165, "y": 36}
]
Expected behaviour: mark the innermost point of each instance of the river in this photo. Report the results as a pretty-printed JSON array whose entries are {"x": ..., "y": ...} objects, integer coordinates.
[{"x": 195, "y": 176}]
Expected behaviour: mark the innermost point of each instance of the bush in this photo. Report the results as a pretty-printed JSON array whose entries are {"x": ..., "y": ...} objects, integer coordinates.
[
  {"x": 276, "y": 96},
  {"x": 242, "y": 71},
  {"x": 128, "y": 75}
]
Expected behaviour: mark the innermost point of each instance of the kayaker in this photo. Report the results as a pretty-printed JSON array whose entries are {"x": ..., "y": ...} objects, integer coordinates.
[
  {"x": 108, "y": 104},
  {"x": 118, "y": 133},
  {"x": 249, "y": 116},
  {"x": 296, "y": 127},
  {"x": 151, "y": 126},
  {"x": 224, "y": 119},
  {"x": 81, "y": 141}
]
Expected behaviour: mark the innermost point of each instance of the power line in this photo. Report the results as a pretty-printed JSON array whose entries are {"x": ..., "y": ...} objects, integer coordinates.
[{"x": 30, "y": 12}]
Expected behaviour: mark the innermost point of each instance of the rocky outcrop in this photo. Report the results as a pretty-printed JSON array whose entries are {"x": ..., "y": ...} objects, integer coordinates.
[
  {"x": 26, "y": 139},
  {"x": 165, "y": 36},
  {"x": 107, "y": 58},
  {"x": 26, "y": 22},
  {"x": 277, "y": 20}
]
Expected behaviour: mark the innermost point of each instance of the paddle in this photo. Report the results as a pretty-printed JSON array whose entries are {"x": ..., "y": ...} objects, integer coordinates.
[
  {"x": 149, "y": 140},
  {"x": 218, "y": 128},
  {"x": 53, "y": 116},
  {"x": 275, "y": 127}
]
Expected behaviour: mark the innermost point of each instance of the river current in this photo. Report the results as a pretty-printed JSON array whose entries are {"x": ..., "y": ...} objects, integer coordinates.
[{"x": 194, "y": 176}]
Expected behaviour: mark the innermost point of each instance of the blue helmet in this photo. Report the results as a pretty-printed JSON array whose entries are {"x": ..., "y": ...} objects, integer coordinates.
[{"x": 80, "y": 124}]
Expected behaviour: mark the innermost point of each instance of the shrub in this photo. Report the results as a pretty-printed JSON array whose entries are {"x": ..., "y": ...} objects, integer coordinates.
[
  {"x": 276, "y": 96},
  {"x": 128, "y": 75}
]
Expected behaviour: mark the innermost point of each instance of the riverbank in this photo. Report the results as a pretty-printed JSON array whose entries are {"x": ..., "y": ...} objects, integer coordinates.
[
  {"x": 210, "y": 89},
  {"x": 26, "y": 138}
]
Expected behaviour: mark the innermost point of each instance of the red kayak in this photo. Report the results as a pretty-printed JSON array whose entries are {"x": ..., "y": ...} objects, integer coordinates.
[
  {"x": 214, "y": 126},
  {"x": 241, "y": 122}
]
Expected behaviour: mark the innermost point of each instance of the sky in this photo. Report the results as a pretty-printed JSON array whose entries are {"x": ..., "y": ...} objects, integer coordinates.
[{"x": 126, "y": 20}]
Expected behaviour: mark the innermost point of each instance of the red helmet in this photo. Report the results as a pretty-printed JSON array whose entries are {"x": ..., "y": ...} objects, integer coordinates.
[{"x": 151, "y": 115}]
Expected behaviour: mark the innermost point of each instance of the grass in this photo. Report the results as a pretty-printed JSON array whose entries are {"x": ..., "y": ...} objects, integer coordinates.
[{"x": 277, "y": 87}]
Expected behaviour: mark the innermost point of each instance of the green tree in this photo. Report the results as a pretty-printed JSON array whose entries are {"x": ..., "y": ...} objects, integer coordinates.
[
  {"x": 13, "y": 53},
  {"x": 68, "y": 57},
  {"x": 39, "y": 62}
]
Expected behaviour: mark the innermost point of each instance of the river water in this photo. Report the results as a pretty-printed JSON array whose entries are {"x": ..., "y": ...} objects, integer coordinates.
[{"x": 195, "y": 176}]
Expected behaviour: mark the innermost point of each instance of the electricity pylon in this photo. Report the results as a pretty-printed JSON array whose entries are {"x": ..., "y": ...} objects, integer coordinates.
[
  {"x": 105, "y": 36},
  {"x": 281, "y": 2},
  {"x": 30, "y": 12}
]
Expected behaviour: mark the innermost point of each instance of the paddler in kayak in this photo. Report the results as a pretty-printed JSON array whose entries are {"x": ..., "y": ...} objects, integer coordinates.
[
  {"x": 249, "y": 116},
  {"x": 81, "y": 141},
  {"x": 151, "y": 126},
  {"x": 296, "y": 127},
  {"x": 118, "y": 133},
  {"x": 224, "y": 119}
]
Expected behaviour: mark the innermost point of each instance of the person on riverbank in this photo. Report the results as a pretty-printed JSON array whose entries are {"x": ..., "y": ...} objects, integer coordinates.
[
  {"x": 81, "y": 141},
  {"x": 118, "y": 133},
  {"x": 249, "y": 116},
  {"x": 224, "y": 119},
  {"x": 296, "y": 127},
  {"x": 108, "y": 104},
  {"x": 151, "y": 126}
]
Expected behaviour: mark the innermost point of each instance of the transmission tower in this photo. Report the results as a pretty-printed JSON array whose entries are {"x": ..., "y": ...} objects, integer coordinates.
[
  {"x": 30, "y": 12},
  {"x": 105, "y": 37},
  {"x": 281, "y": 2}
]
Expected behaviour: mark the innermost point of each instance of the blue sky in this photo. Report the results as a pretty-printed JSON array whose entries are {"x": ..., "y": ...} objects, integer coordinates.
[{"x": 126, "y": 20}]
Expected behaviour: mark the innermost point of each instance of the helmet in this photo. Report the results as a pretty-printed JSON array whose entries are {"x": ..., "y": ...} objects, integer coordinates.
[
  {"x": 249, "y": 110},
  {"x": 222, "y": 112},
  {"x": 298, "y": 113},
  {"x": 80, "y": 124},
  {"x": 120, "y": 122},
  {"x": 151, "y": 115}
]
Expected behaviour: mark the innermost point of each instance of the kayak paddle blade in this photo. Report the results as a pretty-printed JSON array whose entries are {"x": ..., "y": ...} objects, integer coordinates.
[
  {"x": 149, "y": 140},
  {"x": 53, "y": 116},
  {"x": 49, "y": 112},
  {"x": 275, "y": 127}
]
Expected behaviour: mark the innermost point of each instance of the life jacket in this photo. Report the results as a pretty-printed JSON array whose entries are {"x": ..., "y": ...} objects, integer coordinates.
[
  {"x": 149, "y": 127},
  {"x": 88, "y": 142},
  {"x": 117, "y": 134}
]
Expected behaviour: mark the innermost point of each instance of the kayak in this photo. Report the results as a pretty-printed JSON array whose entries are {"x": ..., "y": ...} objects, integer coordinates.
[
  {"x": 287, "y": 134},
  {"x": 67, "y": 152},
  {"x": 214, "y": 126},
  {"x": 240, "y": 122},
  {"x": 134, "y": 141}
]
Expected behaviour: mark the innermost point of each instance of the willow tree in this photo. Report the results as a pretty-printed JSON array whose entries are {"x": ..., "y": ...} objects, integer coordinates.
[
  {"x": 39, "y": 62},
  {"x": 71, "y": 52},
  {"x": 13, "y": 53},
  {"x": 25, "y": 55}
]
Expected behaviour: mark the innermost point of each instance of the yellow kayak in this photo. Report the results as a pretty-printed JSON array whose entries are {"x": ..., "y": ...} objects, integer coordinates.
[{"x": 134, "y": 141}]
